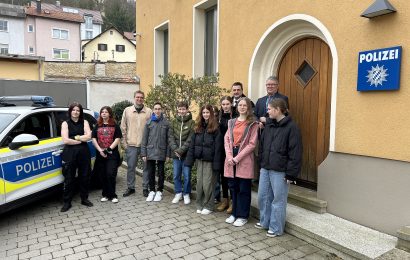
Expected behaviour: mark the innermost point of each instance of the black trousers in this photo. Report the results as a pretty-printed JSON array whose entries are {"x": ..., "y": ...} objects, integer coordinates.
[
  {"x": 76, "y": 158},
  {"x": 241, "y": 193},
  {"x": 107, "y": 169},
  {"x": 151, "y": 174},
  {"x": 224, "y": 185}
]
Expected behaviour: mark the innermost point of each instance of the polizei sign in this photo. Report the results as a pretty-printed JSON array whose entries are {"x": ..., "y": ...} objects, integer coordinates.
[{"x": 379, "y": 69}]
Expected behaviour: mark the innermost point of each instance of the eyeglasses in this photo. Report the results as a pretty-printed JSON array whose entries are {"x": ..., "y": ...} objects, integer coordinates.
[
  {"x": 273, "y": 84},
  {"x": 139, "y": 97}
]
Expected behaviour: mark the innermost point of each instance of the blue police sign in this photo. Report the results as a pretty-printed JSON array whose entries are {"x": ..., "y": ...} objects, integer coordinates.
[{"x": 379, "y": 69}]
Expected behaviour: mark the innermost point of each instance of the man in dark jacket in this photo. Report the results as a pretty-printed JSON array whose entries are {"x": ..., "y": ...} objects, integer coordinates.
[
  {"x": 237, "y": 93},
  {"x": 179, "y": 138},
  {"x": 261, "y": 108},
  {"x": 154, "y": 150}
]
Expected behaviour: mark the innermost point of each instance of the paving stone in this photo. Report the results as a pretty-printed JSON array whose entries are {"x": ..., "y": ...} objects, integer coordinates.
[
  {"x": 295, "y": 254},
  {"x": 96, "y": 251},
  {"x": 177, "y": 253},
  {"x": 71, "y": 244},
  {"x": 29, "y": 254},
  {"x": 110, "y": 255},
  {"x": 179, "y": 244},
  {"x": 43, "y": 257},
  {"x": 83, "y": 247},
  {"x": 242, "y": 251},
  {"x": 77, "y": 256},
  {"x": 144, "y": 254},
  {"x": 160, "y": 257},
  {"x": 194, "y": 248},
  {"x": 62, "y": 253},
  {"x": 213, "y": 251}
]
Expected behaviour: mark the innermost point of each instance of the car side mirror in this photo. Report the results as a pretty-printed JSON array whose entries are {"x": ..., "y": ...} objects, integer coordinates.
[{"x": 23, "y": 140}]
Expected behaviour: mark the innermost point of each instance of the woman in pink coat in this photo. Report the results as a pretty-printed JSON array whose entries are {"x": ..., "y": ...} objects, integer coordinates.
[{"x": 240, "y": 141}]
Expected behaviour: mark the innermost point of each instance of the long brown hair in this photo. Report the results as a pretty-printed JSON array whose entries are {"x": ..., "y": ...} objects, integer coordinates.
[
  {"x": 111, "y": 120},
  {"x": 80, "y": 107},
  {"x": 200, "y": 121},
  {"x": 250, "y": 117}
]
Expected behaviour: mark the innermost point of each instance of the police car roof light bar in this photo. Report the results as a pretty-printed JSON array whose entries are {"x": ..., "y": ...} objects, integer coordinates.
[{"x": 45, "y": 101}]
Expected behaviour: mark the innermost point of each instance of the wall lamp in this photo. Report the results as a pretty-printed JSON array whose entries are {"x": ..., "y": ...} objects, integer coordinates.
[{"x": 378, "y": 8}]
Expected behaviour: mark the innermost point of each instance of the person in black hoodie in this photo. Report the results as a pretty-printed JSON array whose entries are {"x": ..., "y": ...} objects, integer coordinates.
[
  {"x": 280, "y": 153},
  {"x": 226, "y": 113},
  {"x": 205, "y": 149}
]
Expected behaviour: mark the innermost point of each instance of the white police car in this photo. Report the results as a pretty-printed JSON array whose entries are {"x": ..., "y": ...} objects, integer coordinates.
[{"x": 30, "y": 147}]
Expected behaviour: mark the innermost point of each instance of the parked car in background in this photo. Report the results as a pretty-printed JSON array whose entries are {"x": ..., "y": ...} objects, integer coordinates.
[{"x": 30, "y": 148}]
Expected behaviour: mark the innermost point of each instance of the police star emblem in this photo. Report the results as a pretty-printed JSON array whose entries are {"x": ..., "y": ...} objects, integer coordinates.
[{"x": 377, "y": 75}]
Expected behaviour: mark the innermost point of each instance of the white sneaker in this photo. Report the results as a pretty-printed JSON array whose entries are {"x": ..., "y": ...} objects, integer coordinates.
[
  {"x": 104, "y": 199},
  {"x": 177, "y": 198},
  {"x": 199, "y": 211},
  {"x": 158, "y": 196},
  {"x": 151, "y": 196},
  {"x": 230, "y": 220},
  {"x": 240, "y": 222},
  {"x": 114, "y": 200},
  {"x": 187, "y": 199},
  {"x": 206, "y": 212}
]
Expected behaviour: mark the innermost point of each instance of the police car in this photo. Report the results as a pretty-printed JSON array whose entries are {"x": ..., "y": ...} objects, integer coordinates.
[{"x": 30, "y": 148}]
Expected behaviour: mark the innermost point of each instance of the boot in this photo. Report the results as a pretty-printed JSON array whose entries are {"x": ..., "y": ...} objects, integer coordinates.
[
  {"x": 229, "y": 210},
  {"x": 223, "y": 205}
]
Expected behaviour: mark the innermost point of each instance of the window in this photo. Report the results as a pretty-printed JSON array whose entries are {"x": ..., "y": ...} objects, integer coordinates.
[
  {"x": 61, "y": 54},
  {"x": 30, "y": 50},
  {"x": 102, "y": 47},
  {"x": 4, "y": 49},
  {"x": 210, "y": 41},
  {"x": 205, "y": 38},
  {"x": 60, "y": 34},
  {"x": 88, "y": 34},
  {"x": 30, "y": 28},
  {"x": 161, "y": 57},
  {"x": 88, "y": 22},
  {"x": 4, "y": 26},
  {"x": 120, "y": 48}
]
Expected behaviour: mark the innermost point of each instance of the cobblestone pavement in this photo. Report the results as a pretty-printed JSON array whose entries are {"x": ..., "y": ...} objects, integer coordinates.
[{"x": 135, "y": 229}]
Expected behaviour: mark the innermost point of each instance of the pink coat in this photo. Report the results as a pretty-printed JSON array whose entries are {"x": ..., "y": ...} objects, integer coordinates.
[{"x": 245, "y": 157}]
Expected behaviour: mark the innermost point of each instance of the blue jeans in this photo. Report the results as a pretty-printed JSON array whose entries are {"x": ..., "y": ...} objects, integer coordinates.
[
  {"x": 179, "y": 169},
  {"x": 272, "y": 200}
]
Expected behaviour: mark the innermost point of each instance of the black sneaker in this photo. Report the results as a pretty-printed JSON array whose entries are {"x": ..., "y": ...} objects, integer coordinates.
[
  {"x": 128, "y": 192},
  {"x": 66, "y": 207},
  {"x": 145, "y": 193},
  {"x": 87, "y": 203}
]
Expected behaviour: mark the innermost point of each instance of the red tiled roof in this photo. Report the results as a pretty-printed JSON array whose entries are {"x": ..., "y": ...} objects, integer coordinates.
[
  {"x": 57, "y": 15},
  {"x": 130, "y": 36}
]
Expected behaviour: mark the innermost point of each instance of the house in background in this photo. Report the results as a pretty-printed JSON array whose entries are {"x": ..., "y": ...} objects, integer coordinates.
[
  {"x": 110, "y": 45},
  {"x": 53, "y": 34},
  {"x": 12, "y": 29},
  {"x": 131, "y": 36},
  {"x": 90, "y": 27}
]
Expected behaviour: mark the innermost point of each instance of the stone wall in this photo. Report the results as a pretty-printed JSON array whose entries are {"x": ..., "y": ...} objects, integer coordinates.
[{"x": 82, "y": 70}]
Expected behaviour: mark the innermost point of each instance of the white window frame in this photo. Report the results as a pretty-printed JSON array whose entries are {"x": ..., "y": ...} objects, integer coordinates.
[
  {"x": 60, "y": 33},
  {"x": 89, "y": 31},
  {"x": 159, "y": 50},
  {"x": 30, "y": 26},
  {"x": 61, "y": 55},
  {"x": 90, "y": 23},
  {"x": 198, "y": 36},
  {"x": 31, "y": 52},
  {"x": 6, "y": 22},
  {"x": 4, "y": 46}
]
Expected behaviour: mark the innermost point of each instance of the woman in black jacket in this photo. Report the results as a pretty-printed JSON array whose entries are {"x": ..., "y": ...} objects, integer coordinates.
[
  {"x": 205, "y": 149},
  {"x": 280, "y": 151},
  {"x": 226, "y": 113}
]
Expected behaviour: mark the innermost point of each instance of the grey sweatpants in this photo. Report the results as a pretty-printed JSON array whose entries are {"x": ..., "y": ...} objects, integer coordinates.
[
  {"x": 205, "y": 185},
  {"x": 132, "y": 154}
]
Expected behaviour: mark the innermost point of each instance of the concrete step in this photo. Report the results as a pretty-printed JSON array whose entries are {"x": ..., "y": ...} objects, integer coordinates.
[{"x": 307, "y": 199}]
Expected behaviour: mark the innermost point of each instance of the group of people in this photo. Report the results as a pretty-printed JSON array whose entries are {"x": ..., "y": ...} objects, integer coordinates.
[{"x": 222, "y": 143}]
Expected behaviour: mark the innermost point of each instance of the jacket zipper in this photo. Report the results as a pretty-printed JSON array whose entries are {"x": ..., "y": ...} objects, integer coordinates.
[{"x": 180, "y": 132}]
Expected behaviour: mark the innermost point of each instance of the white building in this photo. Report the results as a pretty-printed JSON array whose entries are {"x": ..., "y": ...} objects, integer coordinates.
[{"x": 12, "y": 29}]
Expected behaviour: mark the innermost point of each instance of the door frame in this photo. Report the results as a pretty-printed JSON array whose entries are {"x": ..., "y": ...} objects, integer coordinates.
[{"x": 274, "y": 43}]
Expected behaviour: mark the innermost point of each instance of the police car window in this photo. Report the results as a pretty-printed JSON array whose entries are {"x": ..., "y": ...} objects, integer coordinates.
[
  {"x": 91, "y": 120},
  {"x": 36, "y": 124},
  {"x": 5, "y": 120}
]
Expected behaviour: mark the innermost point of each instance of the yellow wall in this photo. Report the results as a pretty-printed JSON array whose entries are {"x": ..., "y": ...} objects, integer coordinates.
[
  {"x": 374, "y": 124},
  {"x": 111, "y": 40},
  {"x": 21, "y": 70}
]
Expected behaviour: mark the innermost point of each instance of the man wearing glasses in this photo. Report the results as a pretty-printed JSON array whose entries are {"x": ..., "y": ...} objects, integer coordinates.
[
  {"x": 261, "y": 108},
  {"x": 133, "y": 122}
]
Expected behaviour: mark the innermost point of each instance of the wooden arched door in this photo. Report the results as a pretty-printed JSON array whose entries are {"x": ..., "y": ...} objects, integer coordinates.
[{"x": 305, "y": 76}]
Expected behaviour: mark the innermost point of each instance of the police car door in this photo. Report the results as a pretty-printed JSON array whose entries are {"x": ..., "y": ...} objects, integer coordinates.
[{"x": 33, "y": 168}]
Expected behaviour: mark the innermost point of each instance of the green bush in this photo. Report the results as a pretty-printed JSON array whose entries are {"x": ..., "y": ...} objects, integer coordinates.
[{"x": 118, "y": 109}]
